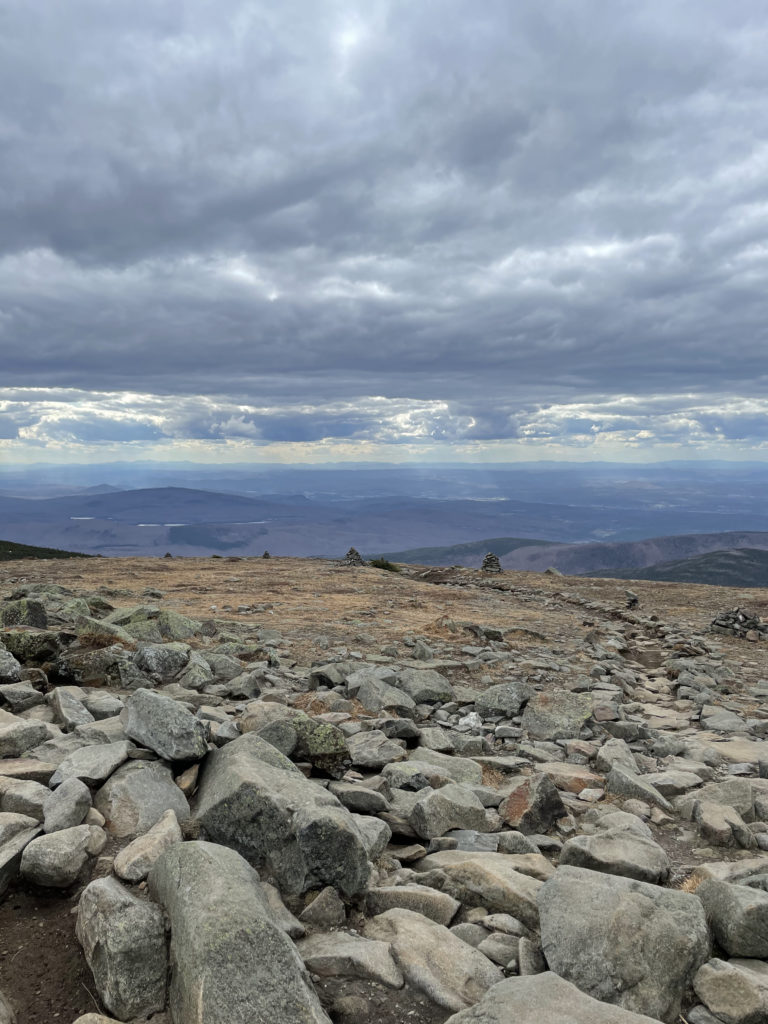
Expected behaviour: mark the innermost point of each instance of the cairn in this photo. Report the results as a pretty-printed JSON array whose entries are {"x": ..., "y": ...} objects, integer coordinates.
[
  {"x": 491, "y": 563},
  {"x": 633, "y": 601},
  {"x": 266, "y": 555},
  {"x": 353, "y": 557},
  {"x": 741, "y": 623}
]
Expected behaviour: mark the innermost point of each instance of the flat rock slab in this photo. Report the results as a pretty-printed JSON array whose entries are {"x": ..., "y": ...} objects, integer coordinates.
[
  {"x": 739, "y": 751},
  {"x": 618, "y": 852},
  {"x": 543, "y": 999},
  {"x": 571, "y": 778},
  {"x": 340, "y": 955},
  {"x": 556, "y": 714},
  {"x": 27, "y": 768},
  {"x": 493, "y": 880},
  {"x": 433, "y": 959},
  {"x": 92, "y": 764}
]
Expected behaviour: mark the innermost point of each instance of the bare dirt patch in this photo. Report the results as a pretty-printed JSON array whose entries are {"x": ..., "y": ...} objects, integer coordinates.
[{"x": 42, "y": 969}]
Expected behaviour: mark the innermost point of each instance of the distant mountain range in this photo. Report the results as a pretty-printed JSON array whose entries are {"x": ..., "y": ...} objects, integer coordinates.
[
  {"x": 577, "y": 539},
  {"x": 190, "y": 521}
]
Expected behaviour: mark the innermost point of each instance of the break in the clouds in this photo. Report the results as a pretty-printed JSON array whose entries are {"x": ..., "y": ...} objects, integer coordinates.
[{"x": 356, "y": 228}]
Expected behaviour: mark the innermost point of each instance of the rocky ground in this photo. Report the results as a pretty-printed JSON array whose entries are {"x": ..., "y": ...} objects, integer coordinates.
[{"x": 279, "y": 790}]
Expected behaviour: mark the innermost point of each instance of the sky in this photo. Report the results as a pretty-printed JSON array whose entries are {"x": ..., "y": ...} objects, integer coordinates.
[{"x": 322, "y": 230}]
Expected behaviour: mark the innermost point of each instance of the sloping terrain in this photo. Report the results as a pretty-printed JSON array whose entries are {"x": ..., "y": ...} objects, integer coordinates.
[
  {"x": 583, "y": 559},
  {"x": 13, "y": 552},
  {"x": 468, "y": 796},
  {"x": 741, "y": 567}
]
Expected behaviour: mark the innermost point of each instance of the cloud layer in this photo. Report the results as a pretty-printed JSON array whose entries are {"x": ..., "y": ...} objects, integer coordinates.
[{"x": 384, "y": 223}]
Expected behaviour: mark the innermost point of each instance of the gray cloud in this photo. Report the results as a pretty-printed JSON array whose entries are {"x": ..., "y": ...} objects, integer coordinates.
[{"x": 505, "y": 219}]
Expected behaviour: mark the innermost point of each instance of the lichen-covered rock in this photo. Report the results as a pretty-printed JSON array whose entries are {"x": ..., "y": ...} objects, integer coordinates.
[
  {"x": 231, "y": 962},
  {"x": 55, "y": 861},
  {"x": 165, "y": 726},
  {"x": 123, "y": 939},
  {"x": 255, "y": 800},
  {"x": 26, "y": 611},
  {"x": 621, "y": 941},
  {"x": 556, "y": 714}
]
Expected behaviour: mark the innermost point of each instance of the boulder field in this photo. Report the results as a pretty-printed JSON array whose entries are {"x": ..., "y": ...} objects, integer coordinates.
[{"x": 470, "y": 823}]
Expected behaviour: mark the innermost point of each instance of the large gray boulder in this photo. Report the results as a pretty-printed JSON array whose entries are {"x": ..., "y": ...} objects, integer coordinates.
[
  {"x": 66, "y": 806},
  {"x": 136, "y": 796},
  {"x": 123, "y": 939},
  {"x": 18, "y": 735},
  {"x": 437, "y": 906},
  {"x": 460, "y": 769},
  {"x": 376, "y": 695},
  {"x": 165, "y": 726},
  {"x": 23, "y": 796},
  {"x": 255, "y": 800},
  {"x": 425, "y": 685},
  {"x": 503, "y": 699},
  {"x": 10, "y": 669},
  {"x": 634, "y": 787},
  {"x": 92, "y": 764},
  {"x": 623, "y": 941},
  {"x": 542, "y": 999},
  {"x": 373, "y": 749},
  {"x": 452, "y": 806},
  {"x": 738, "y": 915},
  {"x": 736, "y": 992},
  {"x": 231, "y": 963},
  {"x": 433, "y": 959},
  {"x": 56, "y": 860}
]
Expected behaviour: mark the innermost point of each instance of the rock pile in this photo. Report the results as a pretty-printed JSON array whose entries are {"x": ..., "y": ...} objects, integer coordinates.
[
  {"x": 738, "y": 622},
  {"x": 491, "y": 563},
  {"x": 353, "y": 557},
  {"x": 382, "y": 838}
]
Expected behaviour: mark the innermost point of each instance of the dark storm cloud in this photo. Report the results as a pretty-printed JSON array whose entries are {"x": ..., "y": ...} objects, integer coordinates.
[{"x": 500, "y": 217}]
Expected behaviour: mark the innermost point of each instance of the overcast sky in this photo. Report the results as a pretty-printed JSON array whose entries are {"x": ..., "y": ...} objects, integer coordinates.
[{"x": 320, "y": 229}]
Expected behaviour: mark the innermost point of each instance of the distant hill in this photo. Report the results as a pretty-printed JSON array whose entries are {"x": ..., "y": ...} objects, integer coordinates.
[
  {"x": 470, "y": 554},
  {"x": 603, "y": 559},
  {"x": 741, "y": 567},
  {"x": 10, "y": 552}
]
